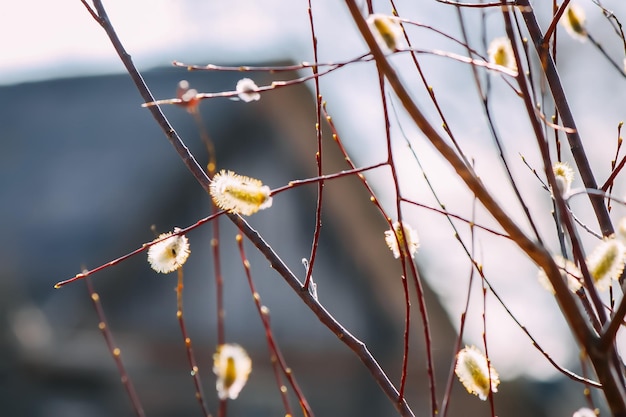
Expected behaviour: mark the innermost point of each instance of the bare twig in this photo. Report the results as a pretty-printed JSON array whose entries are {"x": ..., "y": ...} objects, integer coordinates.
[
  {"x": 575, "y": 141},
  {"x": 195, "y": 372},
  {"x": 358, "y": 347},
  {"x": 611, "y": 328},
  {"x": 318, "y": 155},
  {"x": 277, "y": 356},
  {"x": 115, "y": 351},
  {"x": 616, "y": 170},
  {"x": 143, "y": 247},
  {"x": 535, "y": 252}
]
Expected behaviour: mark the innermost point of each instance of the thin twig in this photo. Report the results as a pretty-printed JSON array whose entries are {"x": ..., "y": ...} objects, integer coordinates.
[
  {"x": 358, "y": 347},
  {"x": 552, "y": 28},
  {"x": 538, "y": 253},
  {"x": 195, "y": 372},
  {"x": 492, "y": 406},
  {"x": 563, "y": 295},
  {"x": 604, "y": 364},
  {"x": 609, "y": 183},
  {"x": 91, "y": 11},
  {"x": 402, "y": 244},
  {"x": 271, "y": 342},
  {"x": 459, "y": 339},
  {"x": 298, "y": 183},
  {"x": 143, "y": 247},
  {"x": 300, "y": 80},
  {"x": 613, "y": 21},
  {"x": 274, "y": 68},
  {"x": 609, "y": 331},
  {"x": 618, "y": 168},
  {"x": 115, "y": 351},
  {"x": 575, "y": 141},
  {"x": 604, "y": 53},
  {"x": 569, "y": 305},
  {"x": 446, "y": 213},
  {"x": 496, "y": 137},
  {"x": 318, "y": 155}
]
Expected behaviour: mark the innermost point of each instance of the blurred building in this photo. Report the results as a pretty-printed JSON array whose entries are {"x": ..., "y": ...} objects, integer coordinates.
[{"x": 84, "y": 174}]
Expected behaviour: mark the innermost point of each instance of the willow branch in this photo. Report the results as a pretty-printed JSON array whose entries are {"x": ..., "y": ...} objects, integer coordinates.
[
  {"x": 537, "y": 253},
  {"x": 357, "y": 346},
  {"x": 573, "y": 137}
]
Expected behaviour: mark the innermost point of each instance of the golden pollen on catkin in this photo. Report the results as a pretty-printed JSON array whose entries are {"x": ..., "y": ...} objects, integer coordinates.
[
  {"x": 573, "y": 20},
  {"x": 239, "y": 194},
  {"x": 400, "y": 238},
  {"x": 232, "y": 365},
  {"x": 606, "y": 262},
  {"x": 475, "y": 373},
  {"x": 169, "y": 253},
  {"x": 500, "y": 52},
  {"x": 387, "y": 32}
]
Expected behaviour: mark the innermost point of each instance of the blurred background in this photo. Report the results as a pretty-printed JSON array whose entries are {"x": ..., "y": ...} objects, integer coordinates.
[{"x": 85, "y": 172}]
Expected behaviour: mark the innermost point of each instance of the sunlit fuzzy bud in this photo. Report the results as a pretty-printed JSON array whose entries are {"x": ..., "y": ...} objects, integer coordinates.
[
  {"x": 170, "y": 254},
  {"x": 569, "y": 272},
  {"x": 387, "y": 32},
  {"x": 500, "y": 53},
  {"x": 232, "y": 365},
  {"x": 573, "y": 20},
  {"x": 606, "y": 262},
  {"x": 475, "y": 373},
  {"x": 395, "y": 239},
  {"x": 564, "y": 176},
  {"x": 247, "y": 90},
  {"x": 584, "y": 412},
  {"x": 239, "y": 194}
]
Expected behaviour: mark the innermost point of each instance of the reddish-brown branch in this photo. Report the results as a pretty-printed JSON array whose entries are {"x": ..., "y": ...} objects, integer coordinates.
[
  {"x": 318, "y": 155},
  {"x": 569, "y": 306},
  {"x": 145, "y": 246},
  {"x": 575, "y": 141},
  {"x": 618, "y": 168},
  {"x": 537, "y": 253},
  {"x": 298, "y": 183},
  {"x": 552, "y": 28},
  {"x": 354, "y": 344},
  {"x": 276, "y": 354},
  {"x": 115, "y": 351},
  {"x": 195, "y": 372},
  {"x": 357, "y": 346}
]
